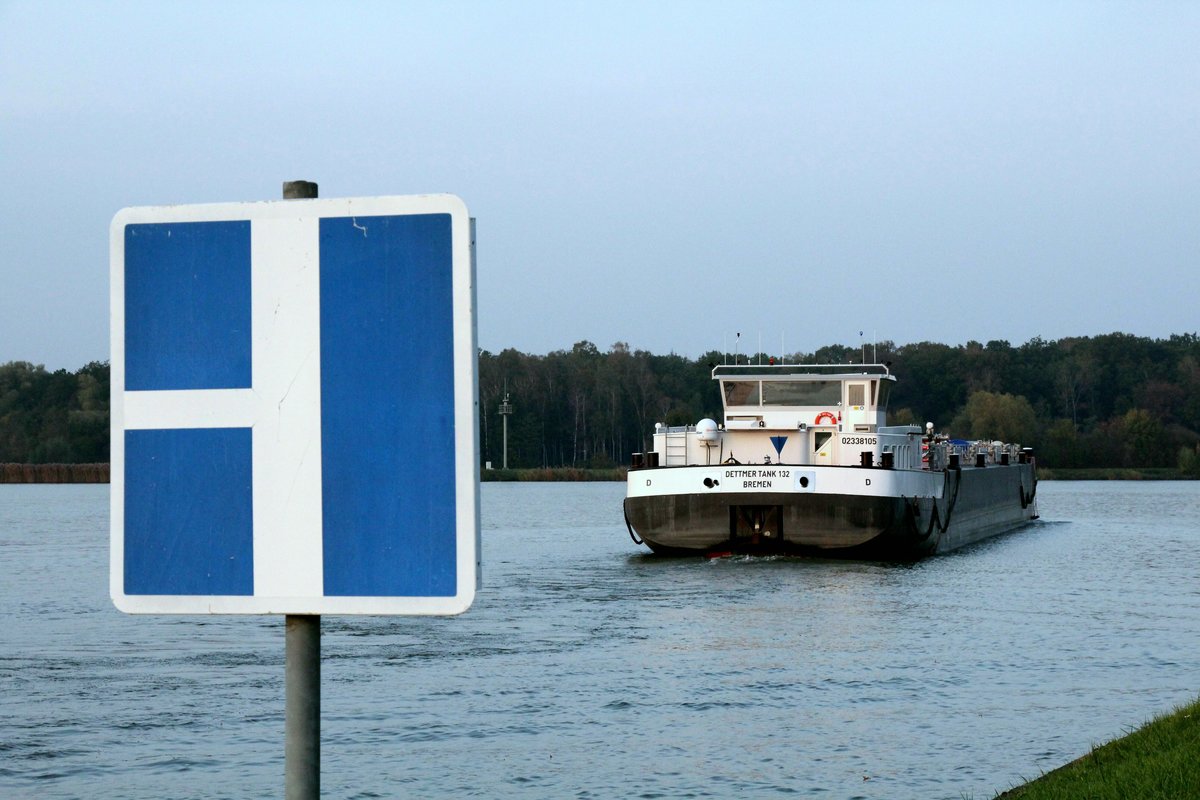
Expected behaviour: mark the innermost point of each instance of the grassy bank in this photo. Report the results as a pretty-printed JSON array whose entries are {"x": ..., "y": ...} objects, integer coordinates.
[
  {"x": 1160, "y": 761},
  {"x": 1113, "y": 474},
  {"x": 553, "y": 474}
]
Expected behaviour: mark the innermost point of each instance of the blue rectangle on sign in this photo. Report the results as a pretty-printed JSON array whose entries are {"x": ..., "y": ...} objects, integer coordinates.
[
  {"x": 189, "y": 512},
  {"x": 387, "y": 406},
  {"x": 187, "y": 305}
]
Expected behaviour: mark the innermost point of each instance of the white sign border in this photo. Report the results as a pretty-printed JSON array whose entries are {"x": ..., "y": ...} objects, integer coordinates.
[{"x": 466, "y": 420}]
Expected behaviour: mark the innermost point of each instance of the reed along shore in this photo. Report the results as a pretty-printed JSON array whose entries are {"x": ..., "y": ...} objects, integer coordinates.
[
  {"x": 553, "y": 474},
  {"x": 54, "y": 473},
  {"x": 99, "y": 473}
]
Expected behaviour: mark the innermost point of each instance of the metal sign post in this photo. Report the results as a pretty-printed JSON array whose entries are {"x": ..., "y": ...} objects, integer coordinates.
[
  {"x": 302, "y": 666},
  {"x": 295, "y": 418},
  {"x": 302, "y": 707}
]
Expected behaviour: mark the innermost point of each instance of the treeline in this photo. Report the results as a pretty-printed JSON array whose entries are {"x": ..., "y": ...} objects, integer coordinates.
[
  {"x": 1106, "y": 401},
  {"x": 53, "y": 417}
]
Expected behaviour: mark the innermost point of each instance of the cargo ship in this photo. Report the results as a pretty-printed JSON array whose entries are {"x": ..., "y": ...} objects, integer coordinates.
[{"x": 805, "y": 463}]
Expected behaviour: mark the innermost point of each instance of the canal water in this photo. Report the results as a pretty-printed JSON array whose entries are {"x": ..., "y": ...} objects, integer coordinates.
[{"x": 590, "y": 669}]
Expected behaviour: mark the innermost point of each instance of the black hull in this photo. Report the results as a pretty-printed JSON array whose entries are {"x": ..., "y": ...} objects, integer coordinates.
[{"x": 975, "y": 504}]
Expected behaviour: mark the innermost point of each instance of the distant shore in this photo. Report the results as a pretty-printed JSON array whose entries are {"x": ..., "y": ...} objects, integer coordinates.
[
  {"x": 1113, "y": 474},
  {"x": 53, "y": 473},
  {"x": 1044, "y": 473},
  {"x": 99, "y": 473},
  {"x": 553, "y": 474}
]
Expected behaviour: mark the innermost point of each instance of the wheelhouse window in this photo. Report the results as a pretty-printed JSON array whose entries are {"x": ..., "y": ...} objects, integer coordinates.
[
  {"x": 801, "y": 393},
  {"x": 885, "y": 393},
  {"x": 740, "y": 393},
  {"x": 856, "y": 394}
]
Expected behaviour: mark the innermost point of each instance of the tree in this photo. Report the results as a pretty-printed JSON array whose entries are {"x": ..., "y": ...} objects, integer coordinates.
[
  {"x": 53, "y": 416},
  {"x": 1189, "y": 461},
  {"x": 993, "y": 416},
  {"x": 1060, "y": 445},
  {"x": 1141, "y": 438}
]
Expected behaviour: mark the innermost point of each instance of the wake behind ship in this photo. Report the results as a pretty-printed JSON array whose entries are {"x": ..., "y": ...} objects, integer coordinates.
[{"x": 805, "y": 463}]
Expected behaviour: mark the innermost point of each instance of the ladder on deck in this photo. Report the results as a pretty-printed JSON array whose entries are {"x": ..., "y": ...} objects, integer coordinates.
[{"x": 676, "y": 448}]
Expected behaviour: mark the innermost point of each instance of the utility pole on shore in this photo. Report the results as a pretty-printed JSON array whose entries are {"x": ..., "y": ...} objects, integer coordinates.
[{"x": 506, "y": 410}]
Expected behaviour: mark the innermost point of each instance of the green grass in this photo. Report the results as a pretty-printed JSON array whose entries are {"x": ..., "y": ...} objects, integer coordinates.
[{"x": 1159, "y": 761}]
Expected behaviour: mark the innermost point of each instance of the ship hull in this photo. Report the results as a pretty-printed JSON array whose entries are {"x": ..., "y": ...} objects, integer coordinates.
[{"x": 838, "y": 512}]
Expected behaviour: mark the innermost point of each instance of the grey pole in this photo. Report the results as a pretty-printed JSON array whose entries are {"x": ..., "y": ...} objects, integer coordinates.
[
  {"x": 302, "y": 678},
  {"x": 505, "y": 410},
  {"x": 302, "y": 667},
  {"x": 299, "y": 190}
]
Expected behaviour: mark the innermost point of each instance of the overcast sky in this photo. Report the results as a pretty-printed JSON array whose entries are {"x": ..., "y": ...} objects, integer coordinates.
[{"x": 663, "y": 174}]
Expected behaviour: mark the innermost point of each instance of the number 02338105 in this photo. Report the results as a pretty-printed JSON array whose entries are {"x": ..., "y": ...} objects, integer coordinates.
[{"x": 867, "y": 440}]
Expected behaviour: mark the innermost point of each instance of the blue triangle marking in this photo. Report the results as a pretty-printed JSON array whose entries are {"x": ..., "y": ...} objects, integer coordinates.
[{"x": 778, "y": 441}]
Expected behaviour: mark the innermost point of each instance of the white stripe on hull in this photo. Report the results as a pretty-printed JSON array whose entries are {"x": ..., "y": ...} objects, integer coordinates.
[{"x": 899, "y": 513}]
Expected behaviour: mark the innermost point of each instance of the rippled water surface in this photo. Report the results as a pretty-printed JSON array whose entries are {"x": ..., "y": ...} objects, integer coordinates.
[{"x": 587, "y": 668}]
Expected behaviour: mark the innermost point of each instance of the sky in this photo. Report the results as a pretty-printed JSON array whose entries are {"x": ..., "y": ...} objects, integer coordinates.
[{"x": 663, "y": 174}]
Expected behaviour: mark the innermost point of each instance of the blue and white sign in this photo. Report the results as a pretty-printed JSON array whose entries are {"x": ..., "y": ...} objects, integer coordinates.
[{"x": 294, "y": 424}]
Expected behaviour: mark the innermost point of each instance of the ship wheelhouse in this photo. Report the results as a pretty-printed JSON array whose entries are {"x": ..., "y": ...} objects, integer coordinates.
[
  {"x": 833, "y": 415},
  {"x": 792, "y": 396}
]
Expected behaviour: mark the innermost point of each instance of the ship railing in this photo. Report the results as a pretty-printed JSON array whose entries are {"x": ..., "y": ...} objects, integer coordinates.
[
  {"x": 671, "y": 443},
  {"x": 994, "y": 452},
  {"x": 970, "y": 453}
]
